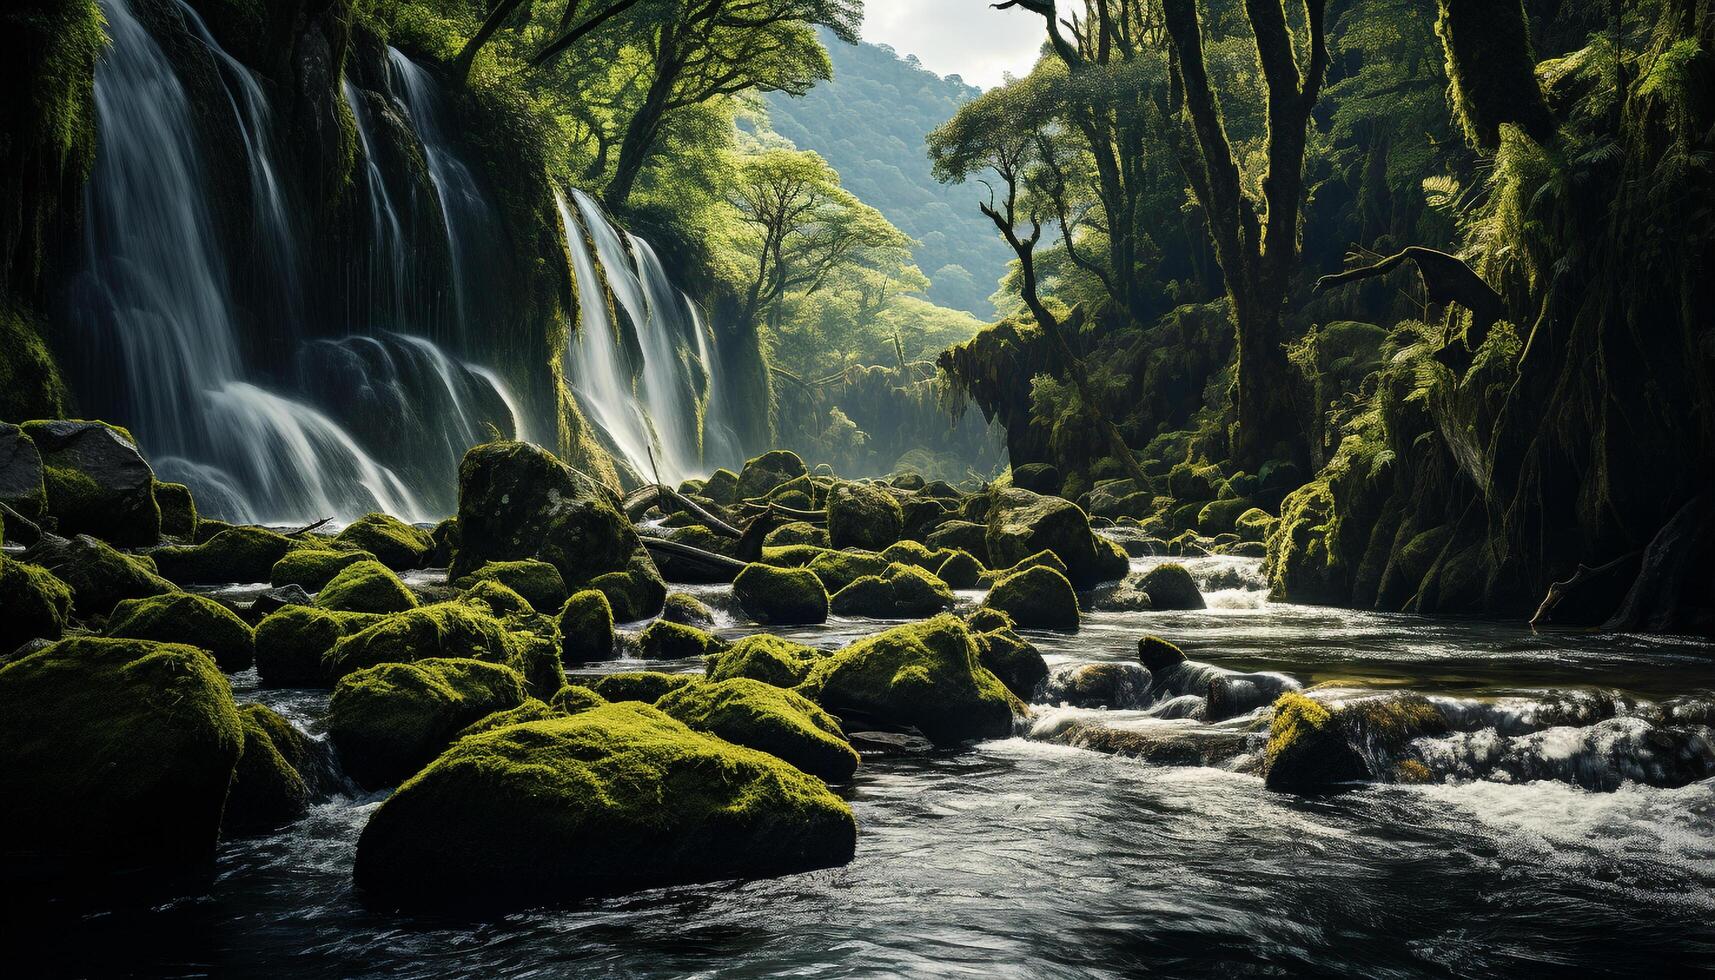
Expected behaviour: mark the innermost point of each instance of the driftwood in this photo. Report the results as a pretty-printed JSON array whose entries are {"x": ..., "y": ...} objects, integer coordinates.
[
  {"x": 1446, "y": 279},
  {"x": 307, "y": 528},
  {"x": 638, "y": 502},
  {"x": 808, "y": 516},
  {"x": 1558, "y": 590},
  {"x": 687, "y": 553},
  {"x": 16, "y": 522}
]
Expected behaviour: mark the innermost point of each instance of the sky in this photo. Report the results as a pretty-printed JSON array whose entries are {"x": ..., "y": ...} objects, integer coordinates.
[{"x": 957, "y": 37}]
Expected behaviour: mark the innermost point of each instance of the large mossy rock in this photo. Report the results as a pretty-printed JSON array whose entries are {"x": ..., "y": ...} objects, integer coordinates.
[
  {"x": 537, "y": 581},
  {"x": 115, "y": 759},
  {"x": 1021, "y": 523},
  {"x": 1036, "y": 598},
  {"x": 516, "y": 501},
  {"x": 366, "y": 586},
  {"x": 391, "y": 720},
  {"x": 647, "y": 686},
  {"x": 21, "y": 478},
  {"x": 178, "y": 510},
  {"x": 99, "y": 575},
  {"x": 901, "y": 592},
  {"x": 966, "y": 536},
  {"x": 292, "y": 644},
  {"x": 585, "y": 628},
  {"x": 34, "y": 604},
  {"x": 97, "y": 482},
  {"x": 762, "y": 475},
  {"x": 313, "y": 568},
  {"x": 268, "y": 791},
  {"x": 766, "y": 658},
  {"x": 838, "y": 569},
  {"x": 610, "y": 800},
  {"x": 240, "y": 554},
  {"x": 1170, "y": 586},
  {"x": 927, "y": 676},
  {"x": 443, "y": 630},
  {"x": 1313, "y": 747},
  {"x": 1014, "y": 660},
  {"x": 863, "y": 516},
  {"x": 664, "y": 640},
  {"x": 781, "y": 596},
  {"x": 767, "y": 718},
  {"x": 394, "y": 543},
  {"x": 181, "y": 617}
]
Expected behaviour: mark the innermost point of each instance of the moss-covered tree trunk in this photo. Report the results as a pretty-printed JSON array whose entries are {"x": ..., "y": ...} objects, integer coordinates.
[{"x": 1491, "y": 70}]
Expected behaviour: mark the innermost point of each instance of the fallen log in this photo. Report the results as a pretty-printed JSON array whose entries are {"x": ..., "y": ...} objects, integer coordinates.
[
  {"x": 809, "y": 516},
  {"x": 687, "y": 553}
]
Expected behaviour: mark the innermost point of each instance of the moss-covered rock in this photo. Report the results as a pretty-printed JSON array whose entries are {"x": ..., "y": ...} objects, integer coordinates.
[
  {"x": 267, "y": 789},
  {"x": 178, "y": 510},
  {"x": 960, "y": 570},
  {"x": 792, "y": 555},
  {"x": 1314, "y": 747},
  {"x": 765, "y": 473},
  {"x": 97, "y": 482},
  {"x": 1170, "y": 586},
  {"x": 780, "y": 596},
  {"x": 537, "y": 581},
  {"x": 913, "y": 553},
  {"x": 838, "y": 569},
  {"x": 634, "y": 594},
  {"x": 767, "y": 718},
  {"x": 900, "y": 592},
  {"x": 1255, "y": 524},
  {"x": 194, "y": 620},
  {"x": 441, "y": 631},
  {"x": 445, "y": 535},
  {"x": 1021, "y": 523},
  {"x": 34, "y": 604},
  {"x": 394, "y": 543},
  {"x": 1191, "y": 482},
  {"x": 721, "y": 487},
  {"x": 313, "y": 568},
  {"x": 682, "y": 607},
  {"x": 1114, "y": 685},
  {"x": 390, "y": 720},
  {"x": 98, "y": 575},
  {"x": 765, "y": 658},
  {"x": 1042, "y": 559},
  {"x": 966, "y": 536},
  {"x": 500, "y": 600},
  {"x": 927, "y": 676},
  {"x": 664, "y": 640},
  {"x": 533, "y": 709},
  {"x": 1014, "y": 660},
  {"x": 115, "y": 758},
  {"x": 586, "y": 628},
  {"x": 640, "y": 685},
  {"x": 797, "y": 532},
  {"x": 21, "y": 486},
  {"x": 536, "y": 655},
  {"x": 293, "y": 643},
  {"x": 616, "y": 798},
  {"x": 1036, "y": 598},
  {"x": 573, "y": 698},
  {"x": 242, "y": 554},
  {"x": 366, "y": 586},
  {"x": 863, "y": 516}
]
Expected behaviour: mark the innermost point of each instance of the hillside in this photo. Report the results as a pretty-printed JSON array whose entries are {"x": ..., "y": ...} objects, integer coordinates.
[{"x": 870, "y": 123}]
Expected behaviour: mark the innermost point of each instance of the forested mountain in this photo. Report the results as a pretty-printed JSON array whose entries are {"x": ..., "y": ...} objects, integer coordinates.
[{"x": 870, "y": 122}]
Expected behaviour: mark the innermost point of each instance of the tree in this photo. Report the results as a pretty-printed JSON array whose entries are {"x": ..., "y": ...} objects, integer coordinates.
[
  {"x": 1492, "y": 71},
  {"x": 1256, "y": 241}
]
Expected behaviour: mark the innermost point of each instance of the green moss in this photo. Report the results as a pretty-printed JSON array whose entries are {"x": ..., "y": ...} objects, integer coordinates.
[
  {"x": 30, "y": 382},
  {"x": 924, "y": 675},
  {"x": 967, "y": 536},
  {"x": 1490, "y": 70},
  {"x": 99, "y": 575},
  {"x": 390, "y": 720},
  {"x": 640, "y": 685},
  {"x": 863, "y": 516},
  {"x": 178, "y": 510},
  {"x": 444, "y": 630},
  {"x": 615, "y": 798},
  {"x": 1170, "y": 586},
  {"x": 1042, "y": 559},
  {"x": 115, "y": 758},
  {"x": 1037, "y": 598},
  {"x": 313, "y": 568},
  {"x": 960, "y": 570},
  {"x": 207, "y": 528},
  {"x": 684, "y": 608},
  {"x": 242, "y": 554},
  {"x": 797, "y": 532},
  {"x": 1157, "y": 654},
  {"x": 838, "y": 569},
  {"x": 119, "y": 507},
  {"x": 537, "y": 581},
  {"x": 1194, "y": 482},
  {"x": 536, "y": 655},
  {"x": 913, "y": 553},
  {"x": 366, "y": 586},
  {"x": 1314, "y": 747},
  {"x": 194, "y": 620},
  {"x": 986, "y": 619},
  {"x": 267, "y": 789},
  {"x": 663, "y": 640},
  {"x": 292, "y": 644},
  {"x": 1221, "y": 516},
  {"x": 533, "y": 709},
  {"x": 1014, "y": 660},
  {"x": 792, "y": 555},
  {"x": 901, "y": 592},
  {"x": 768, "y": 471},
  {"x": 586, "y": 628},
  {"x": 500, "y": 600},
  {"x": 36, "y": 604},
  {"x": 1254, "y": 524},
  {"x": 573, "y": 698},
  {"x": 766, "y": 658},
  {"x": 394, "y": 543},
  {"x": 767, "y": 718},
  {"x": 780, "y": 595},
  {"x": 721, "y": 487},
  {"x": 633, "y": 594}
]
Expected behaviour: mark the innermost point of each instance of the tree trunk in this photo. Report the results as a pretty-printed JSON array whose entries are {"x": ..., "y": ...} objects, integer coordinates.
[
  {"x": 1492, "y": 71},
  {"x": 1265, "y": 412}
]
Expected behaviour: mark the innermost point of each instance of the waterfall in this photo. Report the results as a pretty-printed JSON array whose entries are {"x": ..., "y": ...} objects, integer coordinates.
[{"x": 390, "y": 250}]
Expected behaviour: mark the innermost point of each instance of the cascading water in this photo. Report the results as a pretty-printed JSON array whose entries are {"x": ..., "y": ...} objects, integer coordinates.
[{"x": 389, "y": 257}]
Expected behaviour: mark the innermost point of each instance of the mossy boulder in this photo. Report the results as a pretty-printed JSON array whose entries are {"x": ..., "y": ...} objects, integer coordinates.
[
  {"x": 366, "y": 586},
  {"x": 1170, "y": 586},
  {"x": 268, "y": 791},
  {"x": 797, "y": 532},
  {"x": 97, "y": 482},
  {"x": 1021, "y": 523},
  {"x": 966, "y": 536},
  {"x": 390, "y": 720},
  {"x": 445, "y": 535},
  {"x": 313, "y": 568},
  {"x": 585, "y": 627},
  {"x": 533, "y": 709},
  {"x": 1158, "y": 655},
  {"x": 838, "y": 569},
  {"x": 682, "y": 607},
  {"x": 115, "y": 759},
  {"x": 1191, "y": 482},
  {"x": 178, "y": 510},
  {"x": 242, "y": 554},
  {"x": 537, "y": 581},
  {"x": 765, "y": 658},
  {"x": 1315, "y": 747},
  {"x": 721, "y": 487},
  {"x": 1255, "y": 524},
  {"x": 762, "y": 475},
  {"x": 663, "y": 640},
  {"x": 901, "y": 592},
  {"x": 1036, "y": 598},
  {"x": 1115, "y": 685},
  {"x": 500, "y": 600},
  {"x": 444, "y": 630},
  {"x": 34, "y": 604},
  {"x": 960, "y": 570},
  {"x": 770, "y": 719},
  {"x": 913, "y": 553},
  {"x": 1014, "y": 660},
  {"x": 635, "y": 593},
  {"x": 1036, "y": 477},
  {"x": 293, "y": 643},
  {"x": 610, "y": 800},
  {"x": 640, "y": 685},
  {"x": 181, "y": 617},
  {"x": 573, "y": 698},
  {"x": 394, "y": 543},
  {"x": 21, "y": 481},
  {"x": 1042, "y": 559},
  {"x": 863, "y": 516},
  {"x": 927, "y": 676},
  {"x": 780, "y": 596},
  {"x": 99, "y": 575},
  {"x": 1221, "y": 516}
]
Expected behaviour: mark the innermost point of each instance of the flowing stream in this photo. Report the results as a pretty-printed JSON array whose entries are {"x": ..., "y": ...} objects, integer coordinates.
[{"x": 1029, "y": 857}]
